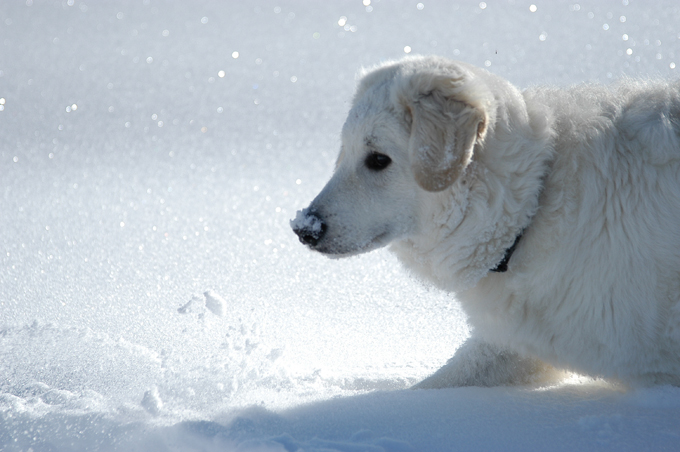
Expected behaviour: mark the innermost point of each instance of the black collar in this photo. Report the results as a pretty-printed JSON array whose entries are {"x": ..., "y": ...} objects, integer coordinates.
[{"x": 503, "y": 265}]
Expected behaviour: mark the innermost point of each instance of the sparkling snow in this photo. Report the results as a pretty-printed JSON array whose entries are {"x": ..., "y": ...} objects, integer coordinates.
[{"x": 152, "y": 294}]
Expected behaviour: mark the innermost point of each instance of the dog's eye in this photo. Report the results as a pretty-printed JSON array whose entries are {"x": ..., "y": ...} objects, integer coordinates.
[{"x": 377, "y": 162}]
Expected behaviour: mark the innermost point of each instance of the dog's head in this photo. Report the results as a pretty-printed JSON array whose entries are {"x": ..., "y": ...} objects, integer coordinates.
[{"x": 410, "y": 134}]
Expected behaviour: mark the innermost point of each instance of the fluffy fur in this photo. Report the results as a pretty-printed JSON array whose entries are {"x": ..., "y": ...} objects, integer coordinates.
[{"x": 590, "y": 175}]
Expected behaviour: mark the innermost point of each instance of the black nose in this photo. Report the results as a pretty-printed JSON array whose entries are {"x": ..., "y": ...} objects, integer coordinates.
[{"x": 309, "y": 227}]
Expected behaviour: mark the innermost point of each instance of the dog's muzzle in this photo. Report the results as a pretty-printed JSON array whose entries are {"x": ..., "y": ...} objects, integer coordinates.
[{"x": 309, "y": 227}]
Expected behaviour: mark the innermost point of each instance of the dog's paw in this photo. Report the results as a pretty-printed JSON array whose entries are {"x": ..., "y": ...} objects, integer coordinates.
[{"x": 477, "y": 363}]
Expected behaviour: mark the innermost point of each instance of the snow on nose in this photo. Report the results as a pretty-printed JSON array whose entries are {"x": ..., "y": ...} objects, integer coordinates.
[{"x": 308, "y": 226}]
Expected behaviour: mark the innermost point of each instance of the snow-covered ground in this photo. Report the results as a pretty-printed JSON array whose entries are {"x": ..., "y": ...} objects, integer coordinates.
[{"x": 152, "y": 295}]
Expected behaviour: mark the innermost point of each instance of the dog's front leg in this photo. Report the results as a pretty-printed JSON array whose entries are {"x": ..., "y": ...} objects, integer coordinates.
[{"x": 478, "y": 363}]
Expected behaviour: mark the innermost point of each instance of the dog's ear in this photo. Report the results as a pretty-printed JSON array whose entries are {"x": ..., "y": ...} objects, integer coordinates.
[{"x": 444, "y": 129}]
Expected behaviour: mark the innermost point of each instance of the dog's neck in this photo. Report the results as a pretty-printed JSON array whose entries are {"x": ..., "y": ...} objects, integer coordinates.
[{"x": 477, "y": 221}]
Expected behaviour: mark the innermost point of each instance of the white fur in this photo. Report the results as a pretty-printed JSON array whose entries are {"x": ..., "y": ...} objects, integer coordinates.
[{"x": 591, "y": 174}]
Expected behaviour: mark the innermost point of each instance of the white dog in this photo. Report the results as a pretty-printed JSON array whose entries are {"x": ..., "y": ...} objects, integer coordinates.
[{"x": 553, "y": 215}]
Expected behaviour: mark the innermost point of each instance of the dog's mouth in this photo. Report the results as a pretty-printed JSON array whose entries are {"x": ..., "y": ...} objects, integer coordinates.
[{"x": 339, "y": 248}]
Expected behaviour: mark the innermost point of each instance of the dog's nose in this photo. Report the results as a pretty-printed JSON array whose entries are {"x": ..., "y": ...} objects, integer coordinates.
[{"x": 309, "y": 227}]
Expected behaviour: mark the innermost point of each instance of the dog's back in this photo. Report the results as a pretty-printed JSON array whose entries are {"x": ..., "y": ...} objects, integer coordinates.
[{"x": 599, "y": 270}]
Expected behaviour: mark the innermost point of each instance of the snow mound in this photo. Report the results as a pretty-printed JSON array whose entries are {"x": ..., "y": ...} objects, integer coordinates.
[
  {"x": 72, "y": 360},
  {"x": 210, "y": 300}
]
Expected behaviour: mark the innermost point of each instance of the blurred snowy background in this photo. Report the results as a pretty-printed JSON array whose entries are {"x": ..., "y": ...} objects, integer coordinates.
[{"x": 152, "y": 296}]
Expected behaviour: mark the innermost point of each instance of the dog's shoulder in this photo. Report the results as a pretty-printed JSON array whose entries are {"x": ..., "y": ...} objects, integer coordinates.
[{"x": 637, "y": 117}]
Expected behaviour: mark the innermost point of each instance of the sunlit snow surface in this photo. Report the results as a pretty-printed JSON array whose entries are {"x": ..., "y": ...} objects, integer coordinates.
[{"x": 152, "y": 295}]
